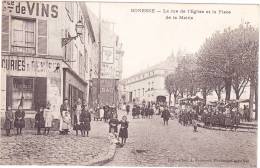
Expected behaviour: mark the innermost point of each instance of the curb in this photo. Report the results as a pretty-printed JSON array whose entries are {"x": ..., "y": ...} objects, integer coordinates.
[
  {"x": 104, "y": 158},
  {"x": 223, "y": 129}
]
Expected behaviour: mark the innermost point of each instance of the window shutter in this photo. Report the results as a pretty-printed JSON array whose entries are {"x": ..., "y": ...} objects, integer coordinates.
[
  {"x": 9, "y": 85},
  {"x": 42, "y": 36},
  {"x": 40, "y": 92},
  {"x": 5, "y": 33}
]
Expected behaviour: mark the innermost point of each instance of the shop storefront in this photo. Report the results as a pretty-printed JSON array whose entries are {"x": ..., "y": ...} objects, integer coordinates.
[
  {"x": 74, "y": 86},
  {"x": 32, "y": 81}
]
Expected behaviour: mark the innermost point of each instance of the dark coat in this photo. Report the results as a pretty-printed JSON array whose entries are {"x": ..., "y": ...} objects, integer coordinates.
[
  {"x": 39, "y": 120},
  {"x": 123, "y": 133},
  {"x": 166, "y": 114},
  {"x": 127, "y": 108},
  {"x": 85, "y": 119},
  {"x": 151, "y": 111},
  {"x": 19, "y": 121},
  {"x": 75, "y": 125},
  {"x": 113, "y": 123},
  {"x": 9, "y": 118}
]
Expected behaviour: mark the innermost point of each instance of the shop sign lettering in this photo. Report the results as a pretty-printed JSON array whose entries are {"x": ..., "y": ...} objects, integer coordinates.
[
  {"x": 31, "y": 8},
  {"x": 30, "y": 65}
]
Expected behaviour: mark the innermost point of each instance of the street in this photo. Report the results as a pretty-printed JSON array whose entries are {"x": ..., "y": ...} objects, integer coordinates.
[
  {"x": 54, "y": 149},
  {"x": 150, "y": 143}
]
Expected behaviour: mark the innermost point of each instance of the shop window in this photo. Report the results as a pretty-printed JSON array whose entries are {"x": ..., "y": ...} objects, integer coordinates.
[
  {"x": 23, "y": 38},
  {"x": 22, "y": 87},
  {"x": 74, "y": 94}
]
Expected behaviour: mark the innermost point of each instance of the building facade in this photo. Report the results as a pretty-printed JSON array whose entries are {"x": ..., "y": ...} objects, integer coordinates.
[
  {"x": 148, "y": 84},
  {"x": 111, "y": 63},
  {"x": 36, "y": 67}
]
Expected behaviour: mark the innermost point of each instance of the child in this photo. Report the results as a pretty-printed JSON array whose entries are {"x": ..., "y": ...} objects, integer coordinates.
[
  {"x": 123, "y": 133},
  {"x": 112, "y": 137},
  {"x": 39, "y": 120},
  {"x": 66, "y": 122},
  {"x": 85, "y": 119},
  {"x": 48, "y": 117},
  {"x": 113, "y": 123},
  {"x": 9, "y": 118}
]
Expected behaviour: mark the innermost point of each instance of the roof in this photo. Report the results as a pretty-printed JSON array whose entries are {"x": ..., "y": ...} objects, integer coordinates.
[{"x": 169, "y": 64}]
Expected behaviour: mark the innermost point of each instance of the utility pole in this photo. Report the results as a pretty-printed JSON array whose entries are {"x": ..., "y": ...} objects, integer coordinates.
[{"x": 99, "y": 54}]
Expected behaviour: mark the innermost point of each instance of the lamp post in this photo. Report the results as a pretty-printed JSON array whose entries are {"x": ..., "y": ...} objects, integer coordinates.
[{"x": 79, "y": 27}]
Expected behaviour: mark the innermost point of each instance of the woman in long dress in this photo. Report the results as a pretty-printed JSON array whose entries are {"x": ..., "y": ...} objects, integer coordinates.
[
  {"x": 19, "y": 122},
  {"x": 123, "y": 133}
]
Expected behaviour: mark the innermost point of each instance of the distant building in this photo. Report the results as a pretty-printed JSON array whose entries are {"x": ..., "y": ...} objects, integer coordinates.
[
  {"x": 111, "y": 63},
  {"x": 148, "y": 84}
]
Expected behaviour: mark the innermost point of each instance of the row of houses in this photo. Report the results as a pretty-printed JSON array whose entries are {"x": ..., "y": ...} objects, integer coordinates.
[{"x": 46, "y": 59}]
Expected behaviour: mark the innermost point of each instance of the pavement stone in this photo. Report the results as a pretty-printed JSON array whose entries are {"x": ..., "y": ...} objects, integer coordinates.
[
  {"x": 176, "y": 145},
  {"x": 54, "y": 149}
]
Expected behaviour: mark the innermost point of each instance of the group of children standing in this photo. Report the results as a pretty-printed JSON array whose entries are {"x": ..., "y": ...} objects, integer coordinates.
[
  {"x": 16, "y": 120},
  {"x": 43, "y": 119}
]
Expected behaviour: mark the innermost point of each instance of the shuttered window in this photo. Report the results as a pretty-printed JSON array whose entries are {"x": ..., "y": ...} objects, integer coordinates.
[
  {"x": 23, "y": 36},
  {"x": 5, "y": 33},
  {"x": 42, "y": 36}
]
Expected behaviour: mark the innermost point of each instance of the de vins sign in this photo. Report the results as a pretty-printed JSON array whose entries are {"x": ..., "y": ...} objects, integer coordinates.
[{"x": 31, "y": 8}]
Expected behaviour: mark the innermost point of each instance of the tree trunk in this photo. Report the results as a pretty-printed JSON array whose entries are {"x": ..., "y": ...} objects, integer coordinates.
[
  {"x": 237, "y": 94},
  {"x": 256, "y": 100},
  {"x": 218, "y": 93},
  {"x": 175, "y": 99},
  {"x": 181, "y": 94},
  {"x": 251, "y": 99},
  {"x": 219, "y": 96},
  {"x": 170, "y": 97},
  {"x": 228, "y": 83},
  {"x": 204, "y": 94}
]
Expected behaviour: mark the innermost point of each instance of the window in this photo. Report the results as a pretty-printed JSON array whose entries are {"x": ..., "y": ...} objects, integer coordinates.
[
  {"x": 23, "y": 36},
  {"x": 22, "y": 87}
]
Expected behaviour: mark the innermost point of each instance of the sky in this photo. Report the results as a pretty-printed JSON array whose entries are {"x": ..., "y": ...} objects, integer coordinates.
[{"x": 149, "y": 38}]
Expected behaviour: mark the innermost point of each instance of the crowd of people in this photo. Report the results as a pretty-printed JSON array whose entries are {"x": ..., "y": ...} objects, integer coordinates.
[
  {"x": 143, "y": 110},
  {"x": 219, "y": 115},
  {"x": 76, "y": 117}
]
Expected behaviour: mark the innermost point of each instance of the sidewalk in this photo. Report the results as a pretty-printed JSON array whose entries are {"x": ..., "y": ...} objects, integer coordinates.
[{"x": 54, "y": 149}]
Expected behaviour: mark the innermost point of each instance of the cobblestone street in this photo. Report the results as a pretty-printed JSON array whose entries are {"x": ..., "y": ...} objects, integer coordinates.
[
  {"x": 54, "y": 149},
  {"x": 152, "y": 144}
]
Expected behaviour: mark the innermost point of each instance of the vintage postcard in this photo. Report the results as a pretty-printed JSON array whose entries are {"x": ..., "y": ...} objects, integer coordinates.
[{"x": 129, "y": 84}]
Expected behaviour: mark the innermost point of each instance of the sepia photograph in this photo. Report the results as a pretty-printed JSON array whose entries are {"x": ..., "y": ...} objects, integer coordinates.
[{"x": 136, "y": 84}]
